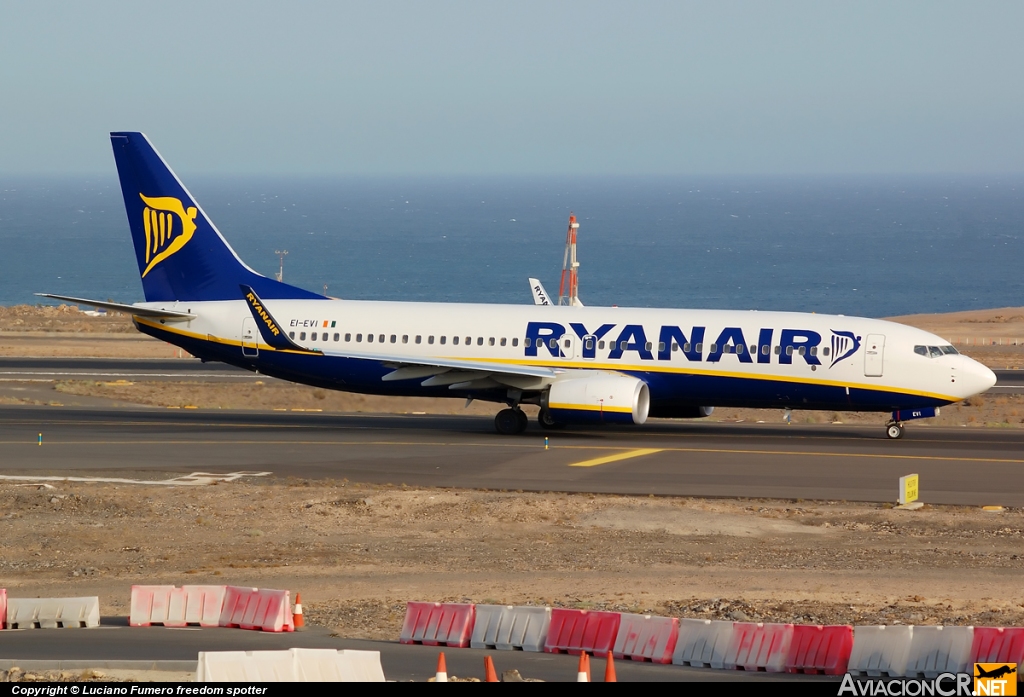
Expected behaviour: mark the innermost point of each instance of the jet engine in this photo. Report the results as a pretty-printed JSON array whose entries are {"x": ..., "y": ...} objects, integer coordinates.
[{"x": 598, "y": 398}]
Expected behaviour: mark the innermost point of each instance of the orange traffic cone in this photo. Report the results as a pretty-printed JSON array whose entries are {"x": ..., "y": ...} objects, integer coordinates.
[
  {"x": 490, "y": 675},
  {"x": 609, "y": 670},
  {"x": 300, "y": 624},
  {"x": 583, "y": 672},
  {"x": 442, "y": 669}
]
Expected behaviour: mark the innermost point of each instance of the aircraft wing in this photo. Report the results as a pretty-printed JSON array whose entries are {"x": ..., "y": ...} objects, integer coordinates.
[{"x": 122, "y": 307}]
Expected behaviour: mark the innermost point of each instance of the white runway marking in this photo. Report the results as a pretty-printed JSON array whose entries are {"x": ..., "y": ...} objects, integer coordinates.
[{"x": 194, "y": 479}]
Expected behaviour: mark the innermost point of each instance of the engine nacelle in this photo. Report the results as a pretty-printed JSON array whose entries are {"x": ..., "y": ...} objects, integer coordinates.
[
  {"x": 599, "y": 398},
  {"x": 673, "y": 412}
]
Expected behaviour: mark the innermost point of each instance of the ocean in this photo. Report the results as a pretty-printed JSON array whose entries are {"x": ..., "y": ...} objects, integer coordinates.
[{"x": 865, "y": 246}]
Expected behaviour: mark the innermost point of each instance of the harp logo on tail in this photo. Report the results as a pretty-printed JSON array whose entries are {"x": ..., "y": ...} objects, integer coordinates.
[
  {"x": 168, "y": 225},
  {"x": 844, "y": 345}
]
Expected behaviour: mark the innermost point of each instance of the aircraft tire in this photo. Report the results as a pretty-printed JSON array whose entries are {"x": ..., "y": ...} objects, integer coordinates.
[
  {"x": 524, "y": 420},
  {"x": 546, "y": 422},
  {"x": 508, "y": 423},
  {"x": 894, "y": 431}
]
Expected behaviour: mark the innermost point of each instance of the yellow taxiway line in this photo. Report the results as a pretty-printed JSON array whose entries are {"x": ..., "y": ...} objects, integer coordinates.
[{"x": 615, "y": 458}]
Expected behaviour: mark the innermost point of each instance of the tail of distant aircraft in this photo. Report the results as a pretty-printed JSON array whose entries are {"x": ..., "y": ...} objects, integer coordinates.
[{"x": 181, "y": 254}]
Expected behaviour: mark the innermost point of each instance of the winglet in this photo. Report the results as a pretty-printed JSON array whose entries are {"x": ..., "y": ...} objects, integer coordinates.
[{"x": 270, "y": 330}]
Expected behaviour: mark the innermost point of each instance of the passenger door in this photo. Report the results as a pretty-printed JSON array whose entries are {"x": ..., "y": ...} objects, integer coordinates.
[
  {"x": 250, "y": 348},
  {"x": 874, "y": 355},
  {"x": 567, "y": 344}
]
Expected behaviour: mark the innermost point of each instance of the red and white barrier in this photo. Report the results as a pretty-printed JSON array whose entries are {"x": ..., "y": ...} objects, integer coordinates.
[
  {"x": 506, "y": 627},
  {"x": 646, "y": 638},
  {"x": 256, "y": 608},
  {"x": 820, "y": 649},
  {"x": 935, "y": 650},
  {"x": 998, "y": 645},
  {"x": 759, "y": 646},
  {"x": 582, "y": 631},
  {"x": 436, "y": 624},
  {"x": 880, "y": 650},
  {"x": 176, "y": 607},
  {"x": 3, "y": 608}
]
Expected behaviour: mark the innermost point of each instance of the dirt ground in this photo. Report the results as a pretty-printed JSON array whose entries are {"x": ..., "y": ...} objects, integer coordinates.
[{"x": 357, "y": 553}]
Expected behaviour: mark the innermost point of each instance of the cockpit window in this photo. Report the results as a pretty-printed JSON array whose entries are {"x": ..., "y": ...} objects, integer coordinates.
[{"x": 935, "y": 351}]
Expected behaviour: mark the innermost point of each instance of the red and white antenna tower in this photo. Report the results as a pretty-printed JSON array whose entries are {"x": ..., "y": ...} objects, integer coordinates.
[{"x": 569, "y": 287}]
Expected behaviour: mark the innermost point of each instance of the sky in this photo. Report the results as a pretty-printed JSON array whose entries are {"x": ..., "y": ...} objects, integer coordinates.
[{"x": 516, "y": 88}]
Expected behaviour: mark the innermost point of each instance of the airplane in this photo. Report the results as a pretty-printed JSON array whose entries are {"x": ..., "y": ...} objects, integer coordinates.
[{"x": 580, "y": 365}]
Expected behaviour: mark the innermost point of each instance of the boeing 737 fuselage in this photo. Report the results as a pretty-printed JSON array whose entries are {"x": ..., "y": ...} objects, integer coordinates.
[{"x": 579, "y": 364}]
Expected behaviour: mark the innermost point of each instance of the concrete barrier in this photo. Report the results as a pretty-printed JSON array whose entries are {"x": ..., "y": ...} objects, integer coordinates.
[
  {"x": 434, "y": 624},
  {"x": 3, "y": 608},
  {"x": 292, "y": 665},
  {"x": 935, "y": 650},
  {"x": 52, "y": 613},
  {"x": 506, "y": 627},
  {"x": 176, "y": 607},
  {"x": 257, "y": 608},
  {"x": 759, "y": 646},
  {"x": 702, "y": 643},
  {"x": 646, "y": 638},
  {"x": 880, "y": 650}
]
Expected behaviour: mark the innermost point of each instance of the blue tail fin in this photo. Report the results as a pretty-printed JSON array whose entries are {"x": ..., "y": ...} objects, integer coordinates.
[{"x": 181, "y": 255}]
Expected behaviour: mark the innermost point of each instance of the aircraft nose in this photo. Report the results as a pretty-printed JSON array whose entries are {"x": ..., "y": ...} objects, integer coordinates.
[{"x": 974, "y": 378}]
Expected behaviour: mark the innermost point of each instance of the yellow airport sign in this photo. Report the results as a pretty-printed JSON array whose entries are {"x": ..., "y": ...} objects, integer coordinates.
[{"x": 908, "y": 489}]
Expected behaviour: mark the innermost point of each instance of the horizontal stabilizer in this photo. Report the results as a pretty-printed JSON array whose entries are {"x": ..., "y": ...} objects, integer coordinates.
[{"x": 122, "y": 307}]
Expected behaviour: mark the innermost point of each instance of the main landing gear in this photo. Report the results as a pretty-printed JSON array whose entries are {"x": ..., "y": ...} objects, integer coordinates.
[
  {"x": 511, "y": 422},
  {"x": 894, "y": 430}
]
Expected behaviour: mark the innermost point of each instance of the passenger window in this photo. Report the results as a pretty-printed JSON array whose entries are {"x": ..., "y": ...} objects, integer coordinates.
[
  {"x": 312, "y": 337},
  {"x": 686, "y": 347},
  {"x": 480, "y": 341},
  {"x": 405, "y": 338},
  {"x": 713, "y": 348},
  {"x": 419, "y": 339},
  {"x": 291, "y": 335},
  {"x": 443, "y": 339},
  {"x": 337, "y": 337},
  {"x": 525, "y": 343},
  {"x": 381, "y": 338},
  {"x": 753, "y": 349},
  {"x": 588, "y": 344},
  {"x": 648, "y": 345},
  {"x": 455, "y": 340},
  {"x": 741, "y": 349},
  {"x": 699, "y": 348},
  {"x": 778, "y": 350},
  {"x": 503, "y": 340},
  {"x": 765, "y": 350},
  {"x": 515, "y": 341},
  {"x": 553, "y": 343},
  {"x": 348, "y": 337},
  {"x": 675, "y": 346},
  {"x": 490, "y": 342},
  {"x": 469, "y": 340},
  {"x": 359, "y": 338},
  {"x": 567, "y": 342},
  {"x": 789, "y": 350},
  {"x": 394, "y": 339},
  {"x": 302, "y": 336},
  {"x": 430, "y": 339},
  {"x": 814, "y": 350},
  {"x": 623, "y": 345},
  {"x": 803, "y": 350},
  {"x": 600, "y": 344},
  {"x": 825, "y": 351},
  {"x": 369, "y": 338}
]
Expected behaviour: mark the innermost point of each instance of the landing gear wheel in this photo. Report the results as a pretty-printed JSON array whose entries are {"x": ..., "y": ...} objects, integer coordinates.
[
  {"x": 894, "y": 431},
  {"x": 524, "y": 420},
  {"x": 546, "y": 421},
  {"x": 510, "y": 422}
]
